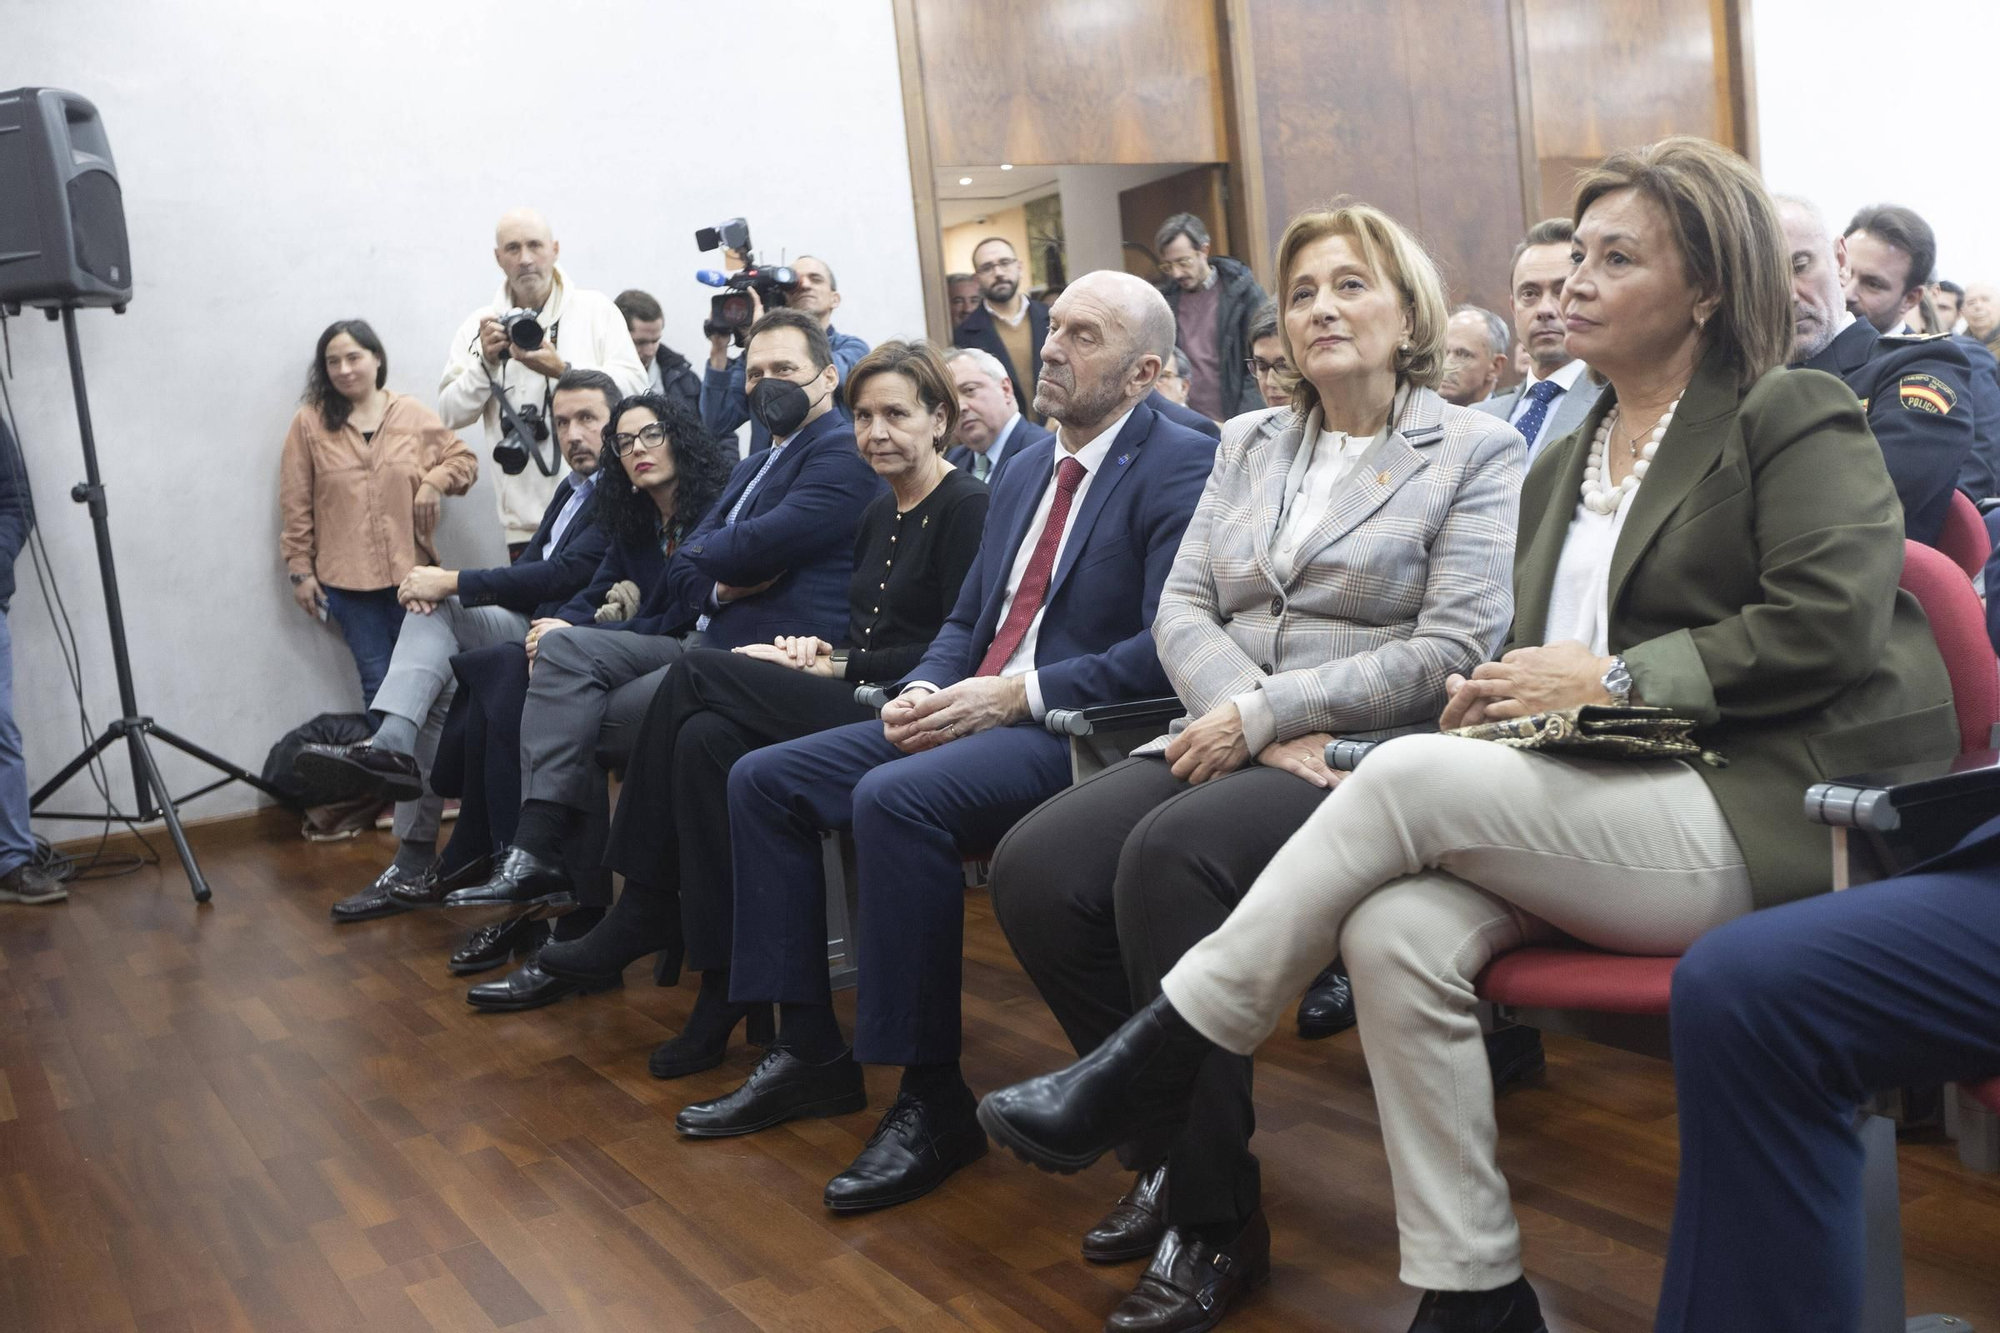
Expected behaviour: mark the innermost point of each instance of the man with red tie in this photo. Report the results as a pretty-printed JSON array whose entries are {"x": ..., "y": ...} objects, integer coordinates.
[{"x": 1056, "y": 613}]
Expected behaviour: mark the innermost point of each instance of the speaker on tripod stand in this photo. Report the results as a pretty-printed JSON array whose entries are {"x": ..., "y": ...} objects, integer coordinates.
[{"x": 63, "y": 247}]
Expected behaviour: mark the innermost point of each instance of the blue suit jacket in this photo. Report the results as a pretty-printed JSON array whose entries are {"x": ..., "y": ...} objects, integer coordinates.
[
  {"x": 798, "y": 529},
  {"x": 1185, "y": 416},
  {"x": 1095, "y": 644},
  {"x": 1025, "y": 435},
  {"x": 976, "y": 330},
  {"x": 539, "y": 582}
]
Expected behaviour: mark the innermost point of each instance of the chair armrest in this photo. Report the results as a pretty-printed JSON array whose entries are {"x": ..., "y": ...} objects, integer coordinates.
[
  {"x": 1964, "y": 787},
  {"x": 1989, "y": 504},
  {"x": 1126, "y": 716},
  {"x": 1346, "y": 756},
  {"x": 871, "y": 696}
]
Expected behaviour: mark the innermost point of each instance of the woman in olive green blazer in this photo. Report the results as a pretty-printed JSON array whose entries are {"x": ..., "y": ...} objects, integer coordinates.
[{"x": 1720, "y": 538}]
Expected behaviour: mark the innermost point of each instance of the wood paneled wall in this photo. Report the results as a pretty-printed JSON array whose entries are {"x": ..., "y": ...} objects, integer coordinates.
[
  {"x": 1387, "y": 104},
  {"x": 1056, "y": 81}
]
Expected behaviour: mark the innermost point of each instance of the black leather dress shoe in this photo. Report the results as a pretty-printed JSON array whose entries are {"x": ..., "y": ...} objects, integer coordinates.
[
  {"x": 1190, "y": 1284},
  {"x": 782, "y": 1087},
  {"x": 1509, "y": 1309},
  {"x": 430, "y": 890},
  {"x": 527, "y": 987},
  {"x": 343, "y": 772},
  {"x": 1133, "y": 1227},
  {"x": 1328, "y": 1006},
  {"x": 522, "y": 879},
  {"x": 497, "y": 942},
  {"x": 1141, "y": 1078},
  {"x": 378, "y": 899},
  {"x": 1514, "y": 1054},
  {"x": 913, "y": 1150}
]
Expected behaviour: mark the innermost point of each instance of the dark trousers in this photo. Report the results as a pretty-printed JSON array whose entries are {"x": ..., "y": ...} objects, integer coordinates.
[
  {"x": 671, "y": 833},
  {"x": 1783, "y": 1021},
  {"x": 370, "y": 622},
  {"x": 1104, "y": 888},
  {"x": 913, "y": 817}
]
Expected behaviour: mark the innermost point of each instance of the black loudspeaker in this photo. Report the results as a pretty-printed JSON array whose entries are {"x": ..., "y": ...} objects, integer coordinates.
[{"x": 62, "y": 215}]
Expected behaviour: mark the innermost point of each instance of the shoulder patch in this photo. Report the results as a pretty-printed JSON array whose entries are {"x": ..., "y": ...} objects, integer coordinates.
[
  {"x": 1926, "y": 393},
  {"x": 1912, "y": 339}
]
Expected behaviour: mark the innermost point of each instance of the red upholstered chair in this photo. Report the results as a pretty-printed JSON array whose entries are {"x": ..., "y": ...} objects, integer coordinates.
[{"x": 1965, "y": 538}]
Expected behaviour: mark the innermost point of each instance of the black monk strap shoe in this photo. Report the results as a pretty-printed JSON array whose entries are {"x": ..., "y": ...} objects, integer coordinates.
[
  {"x": 522, "y": 879},
  {"x": 348, "y": 771},
  {"x": 912, "y": 1152},
  {"x": 782, "y": 1087},
  {"x": 1190, "y": 1284},
  {"x": 1328, "y": 1006},
  {"x": 1133, "y": 1227}
]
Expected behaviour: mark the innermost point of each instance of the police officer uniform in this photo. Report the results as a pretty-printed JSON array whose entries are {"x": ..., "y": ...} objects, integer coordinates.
[{"x": 1918, "y": 396}]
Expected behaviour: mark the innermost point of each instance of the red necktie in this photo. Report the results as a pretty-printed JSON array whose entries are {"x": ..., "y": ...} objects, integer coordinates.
[{"x": 1035, "y": 582}]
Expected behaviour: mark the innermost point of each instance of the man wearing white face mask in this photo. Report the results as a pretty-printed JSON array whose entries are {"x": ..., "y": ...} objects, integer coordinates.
[{"x": 772, "y": 558}]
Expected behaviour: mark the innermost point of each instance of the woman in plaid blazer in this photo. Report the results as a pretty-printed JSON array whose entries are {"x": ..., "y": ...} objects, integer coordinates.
[{"x": 1350, "y": 553}]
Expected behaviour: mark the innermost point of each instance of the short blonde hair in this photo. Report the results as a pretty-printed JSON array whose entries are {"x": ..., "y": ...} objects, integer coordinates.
[
  {"x": 1397, "y": 257},
  {"x": 1730, "y": 238}
]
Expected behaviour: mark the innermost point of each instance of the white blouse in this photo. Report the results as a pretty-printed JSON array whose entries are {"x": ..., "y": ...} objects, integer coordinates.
[{"x": 1579, "y": 601}]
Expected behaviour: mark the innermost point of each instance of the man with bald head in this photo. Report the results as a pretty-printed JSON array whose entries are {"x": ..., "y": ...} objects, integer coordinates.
[
  {"x": 1917, "y": 390},
  {"x": 1056, "y": 612},
  {"x": 584, "y": 332}
]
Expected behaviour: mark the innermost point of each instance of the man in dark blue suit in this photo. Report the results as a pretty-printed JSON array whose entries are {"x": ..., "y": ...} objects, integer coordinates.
[
  {"x": 773, "y": 557},
  {"x": 455, "y": 611},
  {"x": 1055, "y": 613},
  {"x": 1783, "y": 1022},
  {"x": 991, "y": 428}
]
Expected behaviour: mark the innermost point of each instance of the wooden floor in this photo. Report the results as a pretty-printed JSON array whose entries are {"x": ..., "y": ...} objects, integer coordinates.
[{"x": 241, "y": 1117}]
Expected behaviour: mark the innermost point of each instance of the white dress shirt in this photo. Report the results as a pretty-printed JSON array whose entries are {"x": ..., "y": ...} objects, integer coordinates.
[
  {"x": 580, "y": 488},
  {"x": 1091, "y": 459},
  {"x": 1567, "y": 376},
  {"x": 1580, "y": 597}
]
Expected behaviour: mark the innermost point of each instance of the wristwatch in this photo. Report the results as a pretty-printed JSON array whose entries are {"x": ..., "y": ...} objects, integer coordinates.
[
  {"x": 1618, "y": 682},
  {"x": 839, "y": 656}
]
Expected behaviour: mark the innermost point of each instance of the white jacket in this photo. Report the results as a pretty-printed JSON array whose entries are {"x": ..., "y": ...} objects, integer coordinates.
[{"x": 591, "y": 335}]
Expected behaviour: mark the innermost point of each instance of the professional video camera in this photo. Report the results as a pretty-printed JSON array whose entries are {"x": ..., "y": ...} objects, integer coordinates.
[{"x": 731, "y": 310}]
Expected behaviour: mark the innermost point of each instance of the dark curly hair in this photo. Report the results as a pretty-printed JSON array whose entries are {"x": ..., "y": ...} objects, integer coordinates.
[
  {"x": 320, "y": 393},
  {"x": 701, "y": 470}
]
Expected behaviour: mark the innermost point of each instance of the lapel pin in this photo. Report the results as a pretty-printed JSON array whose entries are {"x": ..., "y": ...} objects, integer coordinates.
[
  {"x": 1381, "y": 479},
  {"x": 1123, "y": 459}
]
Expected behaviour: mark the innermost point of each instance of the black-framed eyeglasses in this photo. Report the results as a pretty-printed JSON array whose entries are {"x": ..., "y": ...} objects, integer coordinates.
[
  {"x": 650, "y": 436},
  {"x": 992, "y": 266},
  {"x": 1257, "y": 365}
]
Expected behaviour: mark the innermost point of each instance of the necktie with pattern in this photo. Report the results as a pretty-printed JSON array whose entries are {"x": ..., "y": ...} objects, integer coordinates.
[
  {"x": 1539, "y": 397},
  {"x": 1035, "y": 581}
]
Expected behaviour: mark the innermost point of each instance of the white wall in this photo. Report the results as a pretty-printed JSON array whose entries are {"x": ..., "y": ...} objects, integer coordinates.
[
  {"x": 287, "y": 165},
  {"x": 1093, "y": 234},
  {"x": 1832, "y": 132}
]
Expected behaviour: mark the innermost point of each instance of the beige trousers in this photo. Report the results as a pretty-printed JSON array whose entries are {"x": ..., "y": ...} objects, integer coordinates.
[{"x": 1433, "y": 856}]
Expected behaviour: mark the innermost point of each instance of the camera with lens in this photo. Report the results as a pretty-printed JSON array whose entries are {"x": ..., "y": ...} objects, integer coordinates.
[
  {"x": 526, "y": 429},
  {"x": 731, "y": 310},
  {"x": 524, "y": 329}
]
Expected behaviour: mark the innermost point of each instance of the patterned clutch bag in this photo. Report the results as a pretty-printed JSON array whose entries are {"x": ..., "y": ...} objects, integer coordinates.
[{"x": 1600, "y": 731}]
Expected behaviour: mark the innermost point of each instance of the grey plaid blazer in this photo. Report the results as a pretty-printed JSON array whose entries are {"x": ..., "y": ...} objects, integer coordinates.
[{"x": 1407, "y": 579}]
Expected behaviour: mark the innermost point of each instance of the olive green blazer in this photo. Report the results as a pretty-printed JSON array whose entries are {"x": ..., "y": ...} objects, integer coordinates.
[{"x": 1754, "y": 587}]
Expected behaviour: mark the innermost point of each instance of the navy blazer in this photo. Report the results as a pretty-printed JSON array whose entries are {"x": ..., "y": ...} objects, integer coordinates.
[
  {"x": 1980, "y": 477},
  {"x": 1185, "y": 416},
  {"x": 798, "y": 529},
  {"x": 1025, "y": 435},
  {"x": 637, "y": 562},
  {"x": 539, "y": 582},
  {"x": 976, "y": 330},
  {"x": 1095, "y": 645}
]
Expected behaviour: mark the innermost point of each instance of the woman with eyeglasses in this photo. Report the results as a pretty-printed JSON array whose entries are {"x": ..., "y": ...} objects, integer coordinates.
[
  {"x": 670, "y": 838},
  {"x": 1267, "y": 364}
]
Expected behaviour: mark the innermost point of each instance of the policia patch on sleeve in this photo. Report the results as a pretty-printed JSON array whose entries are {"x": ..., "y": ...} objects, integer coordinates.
[{"x": 1926, "y": 393}]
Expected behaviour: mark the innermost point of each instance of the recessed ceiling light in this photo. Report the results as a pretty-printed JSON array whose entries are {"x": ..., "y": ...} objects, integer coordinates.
[
  {"x": 965, "y": 180},
  {"x": 1006, "y": 166}
]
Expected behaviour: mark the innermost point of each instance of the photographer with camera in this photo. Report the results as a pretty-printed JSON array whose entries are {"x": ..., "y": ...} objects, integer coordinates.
[
  {"x": 812, "y": 292},
  {"x": 506, "y": 357}
]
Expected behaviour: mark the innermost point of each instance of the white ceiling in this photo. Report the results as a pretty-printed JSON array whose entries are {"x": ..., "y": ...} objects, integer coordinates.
[{"x": 993, "y": 182}]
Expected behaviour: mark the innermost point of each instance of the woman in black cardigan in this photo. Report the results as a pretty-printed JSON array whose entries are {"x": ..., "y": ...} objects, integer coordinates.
[{"x": 670, "y": 838}]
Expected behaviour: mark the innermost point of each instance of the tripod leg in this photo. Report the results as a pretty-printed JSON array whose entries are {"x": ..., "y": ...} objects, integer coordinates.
[
  {"x": 216, "y": 761},
  {"x": 167, "y": 811},
  {"x": 75, "y": 766}
]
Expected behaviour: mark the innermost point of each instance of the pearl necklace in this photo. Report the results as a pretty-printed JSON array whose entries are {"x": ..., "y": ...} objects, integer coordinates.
[{"x": 1596, "y": 498}]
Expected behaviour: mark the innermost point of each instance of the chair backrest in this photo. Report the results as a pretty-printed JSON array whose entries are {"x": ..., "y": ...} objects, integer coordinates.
[
  {"x": 1964, "y": 538},
  {"x": 1958, "y": 622}
]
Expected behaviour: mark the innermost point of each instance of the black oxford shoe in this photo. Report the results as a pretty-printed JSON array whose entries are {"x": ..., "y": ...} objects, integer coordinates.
[
  {"x": 1190, "y": 1284},
  {"x": 1328, "y": 1006},
  {"x": 378, "y": 899},
  {"x": 1139, "y": 1080},
  {"x": 1133, "y": 1227},
  {"x": 522, "y": 879},
  {"x": 497, "y": 942},
  {"x": 915, "y": 1148},
  {"x": 1509, "y": 1309},
  {"x": 526, "y": 987},
  {"x": 343, "y": 772},
  {"x": 782, "y": 1087}
]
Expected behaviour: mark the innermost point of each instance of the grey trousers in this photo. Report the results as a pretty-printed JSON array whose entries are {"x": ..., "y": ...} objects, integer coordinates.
[
  {"x": 1436, "y": 854},
  {"x": 589, "y": 691},
  {"x": 419, "y": 686}
]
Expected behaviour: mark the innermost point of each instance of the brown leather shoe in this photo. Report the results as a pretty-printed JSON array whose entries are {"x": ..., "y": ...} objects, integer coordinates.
[
  {"x": 1133, "y": 1227},
  {"x": 1189, "y": 1285}
]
